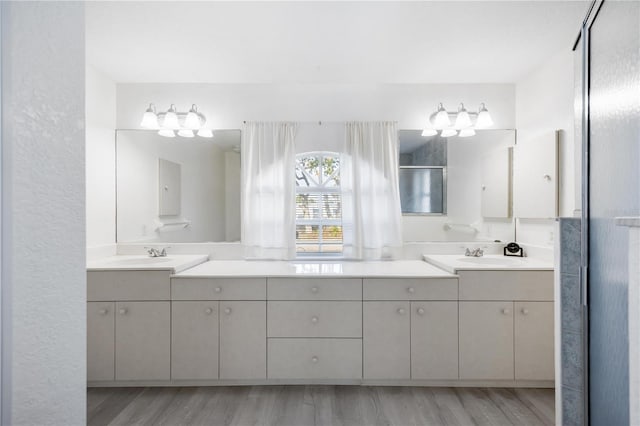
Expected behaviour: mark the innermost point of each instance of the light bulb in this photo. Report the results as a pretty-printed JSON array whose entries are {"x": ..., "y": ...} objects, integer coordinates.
[
  {"x": 465, "y": 133},
  {"x": 205, "y": 133},
  {"x": 171, "y": 119},
  {"x": 462, "y": 119},
  {"x": 429, "y": 132},
  {"x": 167, "y": 133},
  {"x": 441, "y": 119},
  {"x": 185, "y": 133},
  {"x": 484, "y": 119},
  {"x": 192, "y": 121},
  {"x": 150, "y": 119},
  {"x": 448, "y": 133}
]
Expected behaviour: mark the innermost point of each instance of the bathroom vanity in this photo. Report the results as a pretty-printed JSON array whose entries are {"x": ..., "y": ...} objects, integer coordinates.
[{"x": 240, "y": 322}]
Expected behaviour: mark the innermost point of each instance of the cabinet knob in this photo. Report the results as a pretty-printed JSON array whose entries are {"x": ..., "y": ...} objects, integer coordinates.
[
  {"x": 314, "y": 359},
  {"x": 546, "y": 177},
  {"x": 314, "y": 289},
  {"x": 524, "y": 311},
  {"x": 103, "y": 311},
  {"x": 314, "y": 320},
  {"x": 401, "y": 311},
  {"x": 420, "y": 311},
  {"x": 484, "y": 187},
  {"x": 506, "y": 311},
  {"x": 227, "y": 311},
  {"x": 208, "y": 311},
  {"x": 123, "y": 311},
  {"x": 411, "y": 290},
  {"x": 218, "y": 289}
]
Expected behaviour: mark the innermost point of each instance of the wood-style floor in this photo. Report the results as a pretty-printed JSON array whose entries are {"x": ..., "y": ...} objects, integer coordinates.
[{"x": 319, "y": 405}]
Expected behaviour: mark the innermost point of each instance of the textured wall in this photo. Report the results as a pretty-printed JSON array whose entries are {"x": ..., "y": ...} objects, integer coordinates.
[{"x": 43, "y": 275}]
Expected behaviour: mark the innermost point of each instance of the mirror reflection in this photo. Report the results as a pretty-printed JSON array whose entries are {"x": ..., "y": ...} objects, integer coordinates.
[{"x": 177, "y": 189}]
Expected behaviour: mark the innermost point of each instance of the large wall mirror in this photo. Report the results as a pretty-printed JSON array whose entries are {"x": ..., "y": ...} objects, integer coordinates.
[
  {"x": 457, "y": 188},
  {"x": 177, "y": 189}
]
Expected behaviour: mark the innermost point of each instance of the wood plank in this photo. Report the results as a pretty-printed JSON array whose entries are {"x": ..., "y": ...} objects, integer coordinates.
[{"x": 116, "y": 401}]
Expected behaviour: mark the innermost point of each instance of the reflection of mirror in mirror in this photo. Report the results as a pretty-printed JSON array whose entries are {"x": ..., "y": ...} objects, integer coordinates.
[
  {"x": 441, "y": 182},
  {"x": 177, "y": 190}
]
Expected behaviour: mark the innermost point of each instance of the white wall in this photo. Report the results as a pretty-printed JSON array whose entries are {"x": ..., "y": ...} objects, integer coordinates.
[
  {"x": 545, "y": 102},
  {"x": 202, "y": 188},
  {"x": 43, "y": 214},
  {"x": 100, "y": 158},
  {"x": 227, "y": 106}
]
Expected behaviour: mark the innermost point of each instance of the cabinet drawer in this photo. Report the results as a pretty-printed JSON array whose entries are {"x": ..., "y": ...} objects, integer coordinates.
[
  {"x": 506, "y": 285},
  {"x": 314, "y": 319},
  {"x": 218, "y": 288},
  {"x": 410, "y": 289},
  {"x": 127, "y": 285},
  {"x": 315, "y": 359},
  {"x": 314, "y": 288}
]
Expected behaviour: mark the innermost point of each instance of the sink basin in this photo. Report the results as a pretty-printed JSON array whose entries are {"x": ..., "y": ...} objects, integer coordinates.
[
  {"x": 142, "y": 261},
  {"x": 489, "y": 260}
]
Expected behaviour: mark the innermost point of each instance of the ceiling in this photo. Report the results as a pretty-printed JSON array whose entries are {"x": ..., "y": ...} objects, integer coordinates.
[{"x": 328, "y": 42}]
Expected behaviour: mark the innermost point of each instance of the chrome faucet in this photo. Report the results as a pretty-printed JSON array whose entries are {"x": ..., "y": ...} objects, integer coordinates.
[
  {"x": 477, "y": 252},
  {"x": 154, "y": 252}
]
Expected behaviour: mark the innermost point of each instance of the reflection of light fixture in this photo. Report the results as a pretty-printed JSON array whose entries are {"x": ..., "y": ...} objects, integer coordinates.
[
  {"x": 440, "y": 120},
  {"x": 186, "y": 133},
  {"x": 465, "y": 133},
  {"x": 167, "y": 133},
  {"x": 205, "y": 133},
  {"x": 462, "y": 119},
  {"x": 484, "y": 119},
  {"x": 150, "y": 119},
  {"x": 185, "y": 123}
]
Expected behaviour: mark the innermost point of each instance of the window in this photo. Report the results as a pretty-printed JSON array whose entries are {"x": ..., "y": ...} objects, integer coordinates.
[{"x": 318, "y": 204}]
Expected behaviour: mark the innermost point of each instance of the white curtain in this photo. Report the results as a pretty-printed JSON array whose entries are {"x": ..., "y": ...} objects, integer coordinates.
[
  {"x": 371, "y": 214},
  {"x": 268, "y": 190}
]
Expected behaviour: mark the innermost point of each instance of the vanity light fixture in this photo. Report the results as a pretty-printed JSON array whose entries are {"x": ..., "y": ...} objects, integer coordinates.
[
  {"x": 172, "y": 122},
  {"x": 466, "y": 122}
]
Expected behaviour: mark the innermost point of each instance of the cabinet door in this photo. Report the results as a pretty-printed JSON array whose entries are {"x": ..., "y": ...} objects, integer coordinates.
[
  {"x": 534, "y": 340},
  {"x": 243, "y": 340},
  {"x": 142, "y": 340},
  {"x": 194, "y": 340},
  {"x": 100, "y": 340},
  {"x": 486, "y": 340},
  {"x": 386, "y": 340},
  {"x": 434, "y": 340}
]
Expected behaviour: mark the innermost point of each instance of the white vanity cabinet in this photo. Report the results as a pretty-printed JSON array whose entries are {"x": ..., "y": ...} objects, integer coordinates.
[
  {"x": 243, "y": 340},
  {"x": 142, "y": 340},
  {"x": 194, "y": 340},
  {"x": 240, "y": 318},
  {"x": 533, "y": 322},
  {"x": 314, "y": 328},
  {"x": 101, "y": 330},
  {"x": 434, "y": 340},
  {"x": 486, "y": 340},
  {"x": 410, "y": 328},
  {"x": 128, "y": 325},
  {"x": 506, "y": 325},
  {"x": 386, "y": 340}
]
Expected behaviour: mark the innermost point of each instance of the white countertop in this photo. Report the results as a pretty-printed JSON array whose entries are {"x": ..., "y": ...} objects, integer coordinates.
[
  {"x": 257, "y": 268},
  {"x": 173, "y": 263},
  {"x": 458, "y": 262}
]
